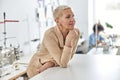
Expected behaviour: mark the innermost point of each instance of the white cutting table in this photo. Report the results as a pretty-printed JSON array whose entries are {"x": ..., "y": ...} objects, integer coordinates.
[{"x": 85, "y": 67}]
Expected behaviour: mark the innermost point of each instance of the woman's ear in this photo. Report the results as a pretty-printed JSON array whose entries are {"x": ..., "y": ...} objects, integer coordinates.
[{"x": 57, "y": 20}]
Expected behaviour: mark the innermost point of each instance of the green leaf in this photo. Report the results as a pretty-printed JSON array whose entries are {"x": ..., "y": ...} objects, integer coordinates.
[{"x": 109, "y": 25}]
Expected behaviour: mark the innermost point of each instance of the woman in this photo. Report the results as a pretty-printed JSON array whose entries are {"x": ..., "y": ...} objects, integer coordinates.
[{"x": 58, "y": 45}]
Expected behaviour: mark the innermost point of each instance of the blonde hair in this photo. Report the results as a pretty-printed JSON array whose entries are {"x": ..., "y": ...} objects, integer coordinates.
[{"x": 58, "y": 11}]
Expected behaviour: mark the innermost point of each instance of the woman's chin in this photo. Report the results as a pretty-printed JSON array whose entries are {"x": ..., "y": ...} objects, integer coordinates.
[{"x": 71, "y": 28}]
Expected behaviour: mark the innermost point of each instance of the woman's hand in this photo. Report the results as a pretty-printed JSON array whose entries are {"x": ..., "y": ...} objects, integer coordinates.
[
  {"x": 71, "y": 35},
  {"x": 45, "y": 66}
]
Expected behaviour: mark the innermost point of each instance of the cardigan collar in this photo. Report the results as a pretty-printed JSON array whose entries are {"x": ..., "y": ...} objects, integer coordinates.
[{"x": 60, "y": 36}]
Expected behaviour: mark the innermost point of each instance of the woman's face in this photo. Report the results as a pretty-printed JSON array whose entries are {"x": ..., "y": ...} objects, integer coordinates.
[{"x": 67, "y": 20}]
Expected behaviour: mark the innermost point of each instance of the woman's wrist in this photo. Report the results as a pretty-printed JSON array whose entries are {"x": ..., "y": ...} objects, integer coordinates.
[{"x": 68, "y": 44}]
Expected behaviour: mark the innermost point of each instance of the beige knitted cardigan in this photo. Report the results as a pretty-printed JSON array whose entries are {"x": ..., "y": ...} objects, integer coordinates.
[{"x": 52, "y": 49}]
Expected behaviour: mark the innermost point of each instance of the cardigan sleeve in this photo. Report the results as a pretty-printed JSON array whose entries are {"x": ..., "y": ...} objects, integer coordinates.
[
  {"x": 75, "y": 42},
  {"x": 52, "y": 45},
  {"x": 61, "y": 57}
]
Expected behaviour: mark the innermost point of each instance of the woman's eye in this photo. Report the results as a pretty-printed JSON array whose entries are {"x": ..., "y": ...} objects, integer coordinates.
[{"x": 68, "y": 17}]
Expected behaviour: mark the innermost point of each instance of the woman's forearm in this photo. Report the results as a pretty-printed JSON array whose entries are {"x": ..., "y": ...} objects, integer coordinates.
[{"x": 46, "y": 66}]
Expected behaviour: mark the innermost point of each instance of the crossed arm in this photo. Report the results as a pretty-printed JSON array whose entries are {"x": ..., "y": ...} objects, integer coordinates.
[{"x": 61, "y": 58}]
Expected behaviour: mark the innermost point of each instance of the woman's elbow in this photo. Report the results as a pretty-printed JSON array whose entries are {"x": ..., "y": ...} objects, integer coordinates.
[{"x": 63, "y": 65}]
